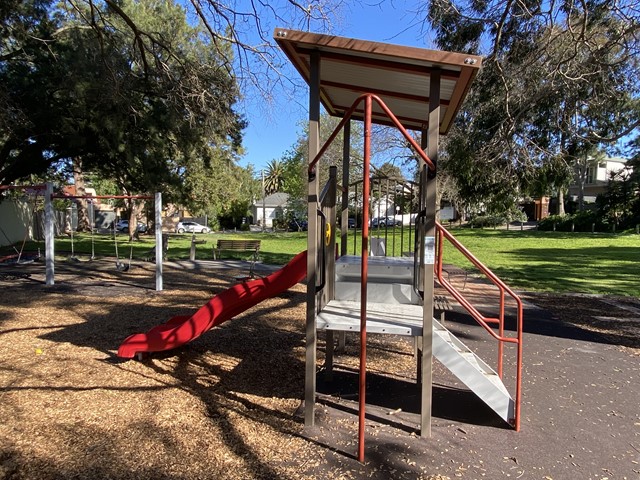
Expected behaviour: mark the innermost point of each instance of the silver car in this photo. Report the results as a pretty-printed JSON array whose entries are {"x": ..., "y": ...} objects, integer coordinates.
[{"x": 192, "y": 227}]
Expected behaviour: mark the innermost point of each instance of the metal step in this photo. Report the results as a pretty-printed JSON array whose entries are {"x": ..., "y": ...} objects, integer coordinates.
[
  {"x": 391, "y": 293},
  {"x": 472, "y": 371},
  {"x": 380, "y": 269},
  {"x": 399, "y": 319}
]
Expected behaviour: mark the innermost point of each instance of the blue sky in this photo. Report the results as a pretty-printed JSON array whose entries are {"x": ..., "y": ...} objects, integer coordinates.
[{"x": 271, "y": 132}]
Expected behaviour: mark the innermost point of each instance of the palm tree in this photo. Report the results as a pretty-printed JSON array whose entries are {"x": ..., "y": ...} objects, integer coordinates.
[{"x": 274, "y": 178}]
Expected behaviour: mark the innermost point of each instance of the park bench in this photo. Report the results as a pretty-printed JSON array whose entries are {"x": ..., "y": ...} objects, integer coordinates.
[
  {"x": 452, "y": 270},
  {"x": 441, "y": 304},
  {"x": 237, "y": 246}
]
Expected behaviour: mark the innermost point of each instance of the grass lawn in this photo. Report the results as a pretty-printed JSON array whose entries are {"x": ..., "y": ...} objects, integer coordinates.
[
  {"x": 555, "y": 261},
  {"x": 527, "y": 260}
]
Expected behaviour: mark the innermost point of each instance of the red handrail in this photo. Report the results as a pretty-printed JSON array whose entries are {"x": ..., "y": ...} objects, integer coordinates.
[
  {"x": 389, "y": 114},
  {"x": 481, "y": 319}
]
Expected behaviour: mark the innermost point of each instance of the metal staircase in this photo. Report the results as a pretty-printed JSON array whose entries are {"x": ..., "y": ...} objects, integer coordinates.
[
  {"x": 394, "y": 308},
  {"x": 472, "y": 371}
]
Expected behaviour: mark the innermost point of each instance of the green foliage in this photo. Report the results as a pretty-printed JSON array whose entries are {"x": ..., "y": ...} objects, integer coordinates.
[
  {"x": 232, "y": 216},
  {"x": 142, "y": 109},
  {"x": 274, "y": 177},
  {"x": 294, "y": 166},
  {"x": 488, "y": 221},
  {"x": 558, "y": 79},
  {"x": 620, "y": 204},
  {"x": 584, "y": 221}
]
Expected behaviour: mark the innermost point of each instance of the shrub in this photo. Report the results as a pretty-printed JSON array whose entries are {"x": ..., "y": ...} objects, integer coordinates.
[
  {"x": 583, "y": 221},
  {"x": 489, "y": 221},
  {"x": 517, "y": 215}
]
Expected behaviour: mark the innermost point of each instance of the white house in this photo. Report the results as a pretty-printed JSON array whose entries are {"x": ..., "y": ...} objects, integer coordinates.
[
  {"x": 266, "y": 210},
  {"x": 593, "y": 176}
]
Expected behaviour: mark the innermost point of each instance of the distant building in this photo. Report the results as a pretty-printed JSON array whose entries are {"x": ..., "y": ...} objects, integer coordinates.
[
  {"x": 268, "y": 209},
  {"x": 593, "y": 177}
]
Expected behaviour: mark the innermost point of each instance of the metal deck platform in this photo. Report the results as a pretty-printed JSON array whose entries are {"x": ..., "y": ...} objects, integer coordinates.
[{"x": 390, "y": 319}]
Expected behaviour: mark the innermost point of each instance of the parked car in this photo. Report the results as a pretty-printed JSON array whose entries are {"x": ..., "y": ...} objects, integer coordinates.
[
  {"x": 351, "y": 222},
  {"x": 123, "y": 226},
  {"x": 298, "y": 225},
  {"x": 385, "y": 222},
  {"x": 192, "y": 227}
]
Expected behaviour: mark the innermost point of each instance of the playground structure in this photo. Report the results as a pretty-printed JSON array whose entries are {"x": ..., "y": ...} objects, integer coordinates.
[
  {"x": 410, "y": 89},
  {"x": 50, "y": 223},
  {"x": 407, "y": 88}
]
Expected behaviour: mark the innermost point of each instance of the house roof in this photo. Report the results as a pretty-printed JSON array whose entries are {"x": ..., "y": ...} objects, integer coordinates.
[
  {"x": 278, "y": 199},
  {"x": 399, "y": 75}
]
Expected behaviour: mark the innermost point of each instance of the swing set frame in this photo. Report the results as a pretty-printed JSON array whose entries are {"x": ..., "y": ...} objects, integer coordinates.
[
  {"x": 35, "y": 191},
  {"x": 49, "y": 196}
]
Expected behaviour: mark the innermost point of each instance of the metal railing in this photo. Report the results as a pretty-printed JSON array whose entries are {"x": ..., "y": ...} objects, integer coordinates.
[
  {"x": 392, "y": 227},
  {"x": 483, "y": 320}
]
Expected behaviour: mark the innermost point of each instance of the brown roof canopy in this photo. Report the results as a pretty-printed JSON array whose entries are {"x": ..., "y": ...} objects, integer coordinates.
[{"x": 399, "y": 75}]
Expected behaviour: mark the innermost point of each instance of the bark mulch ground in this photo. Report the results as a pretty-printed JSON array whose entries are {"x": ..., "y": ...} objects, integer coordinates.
[{"x": 228, "y": 405}]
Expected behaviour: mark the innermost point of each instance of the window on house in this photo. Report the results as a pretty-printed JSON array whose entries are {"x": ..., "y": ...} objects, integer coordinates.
[{"x": 591, "y": 174}]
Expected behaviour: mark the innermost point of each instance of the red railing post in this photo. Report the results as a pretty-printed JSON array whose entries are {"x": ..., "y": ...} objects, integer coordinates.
[
  {"x": 481, "y": 319},
  {"x": 363, "y": 292}
]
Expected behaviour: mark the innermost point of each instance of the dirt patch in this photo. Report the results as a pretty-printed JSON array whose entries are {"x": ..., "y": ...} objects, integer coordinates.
[{"x": 617, "y": 319}]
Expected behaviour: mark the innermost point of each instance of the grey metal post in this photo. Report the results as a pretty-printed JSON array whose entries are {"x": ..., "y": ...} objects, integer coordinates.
[
  {"x": 159, "y": 244},
  {"x": 192, "y": 252},
  {"x": 330, "y": 250},
  {"x": 312, "y": 244},
  {"x": 344, "y": 219},
  {"x": 49, "y": 235},
  {"x": 433, "y": 131}
]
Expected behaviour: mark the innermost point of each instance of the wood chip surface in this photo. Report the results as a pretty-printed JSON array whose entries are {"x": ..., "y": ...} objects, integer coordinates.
[{"x": 227, "y": 405}]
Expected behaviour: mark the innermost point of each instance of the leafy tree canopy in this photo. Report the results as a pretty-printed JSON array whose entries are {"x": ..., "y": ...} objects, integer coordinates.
[
  {"x": 146, "y": 110},
  {"x": 558, "y": 79}
]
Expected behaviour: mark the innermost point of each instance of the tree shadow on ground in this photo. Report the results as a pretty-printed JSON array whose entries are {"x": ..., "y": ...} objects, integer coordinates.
[{"x": 571, "y": 317}]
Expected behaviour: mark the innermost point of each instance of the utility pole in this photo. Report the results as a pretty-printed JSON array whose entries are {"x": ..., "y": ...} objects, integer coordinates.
[{"x": 264, "y": 194}]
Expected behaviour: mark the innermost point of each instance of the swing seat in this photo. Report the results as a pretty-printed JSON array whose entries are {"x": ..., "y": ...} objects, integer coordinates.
[{"x": 121, "y": 267}]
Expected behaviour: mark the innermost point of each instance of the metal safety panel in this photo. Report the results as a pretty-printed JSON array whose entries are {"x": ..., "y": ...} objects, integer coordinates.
[
  {"x": 380, "y": 269},
  {"x": 392, "y": 293}
]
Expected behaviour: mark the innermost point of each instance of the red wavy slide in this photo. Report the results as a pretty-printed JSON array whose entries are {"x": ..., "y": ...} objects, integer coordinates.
[{"x": 224, "y": 306}]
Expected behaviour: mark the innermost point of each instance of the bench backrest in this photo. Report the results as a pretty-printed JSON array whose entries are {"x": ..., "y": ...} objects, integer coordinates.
[{"x": 238, "y": 244}]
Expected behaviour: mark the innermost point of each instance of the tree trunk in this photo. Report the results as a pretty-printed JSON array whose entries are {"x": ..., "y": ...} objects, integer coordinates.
[
  {"x": 561, "y": 201},
  {"x": 83, "y": 212},
  {"x": 134, "y": 208},
  {"x": 582, "y": 167}
]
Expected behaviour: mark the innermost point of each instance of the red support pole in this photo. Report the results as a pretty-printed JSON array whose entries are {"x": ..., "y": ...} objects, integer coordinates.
[
  {"x": 36, "y": 188},
  {"x": 89, "y": 197},
  {"x": 363, "y": 275}
]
